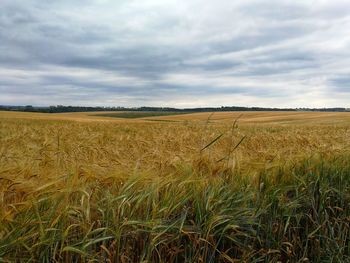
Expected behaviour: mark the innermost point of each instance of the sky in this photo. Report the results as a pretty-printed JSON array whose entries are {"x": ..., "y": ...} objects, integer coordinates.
[{"x": 175, "y": 53}]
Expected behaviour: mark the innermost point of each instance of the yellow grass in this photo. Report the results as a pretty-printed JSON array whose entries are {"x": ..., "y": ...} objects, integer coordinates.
[
  {"x": 38, "y": 148},
  {"x": 84, "y": 162},
  {"x": 245, "y": 117}
]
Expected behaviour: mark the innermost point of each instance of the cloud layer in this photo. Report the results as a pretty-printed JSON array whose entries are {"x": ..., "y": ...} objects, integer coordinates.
[{"x": 274, "y": 53}]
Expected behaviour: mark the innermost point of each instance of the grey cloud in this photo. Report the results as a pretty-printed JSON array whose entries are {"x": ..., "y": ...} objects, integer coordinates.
[
  {"x": 341, "y": 84},
  {"x": 126, "y": 52}
]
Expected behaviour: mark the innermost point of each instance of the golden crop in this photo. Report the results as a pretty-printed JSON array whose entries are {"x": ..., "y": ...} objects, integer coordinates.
[{"x": 85, "y": 166}]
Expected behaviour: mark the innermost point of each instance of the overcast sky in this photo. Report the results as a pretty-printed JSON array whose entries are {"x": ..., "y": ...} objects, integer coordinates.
[{"x": 176, "y": 53}]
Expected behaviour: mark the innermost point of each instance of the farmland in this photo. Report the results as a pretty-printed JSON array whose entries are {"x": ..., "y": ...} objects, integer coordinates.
[
  {"x": 201, "y": 187},
  {"x": 137, "y": 115}
]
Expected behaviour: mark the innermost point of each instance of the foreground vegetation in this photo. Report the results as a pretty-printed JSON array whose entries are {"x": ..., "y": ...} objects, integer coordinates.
[{"x": 195, "y": 191}]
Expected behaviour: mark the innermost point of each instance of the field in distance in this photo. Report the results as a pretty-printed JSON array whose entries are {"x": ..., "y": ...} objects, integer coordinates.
[
  {"x": 196, "y": 187},
  {"x": 244, "y": 117},
  {"x": 139, "y": 114}
]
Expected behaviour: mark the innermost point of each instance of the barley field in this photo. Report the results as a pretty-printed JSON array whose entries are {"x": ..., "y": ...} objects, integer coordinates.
[{"x": 201, "y": 187}]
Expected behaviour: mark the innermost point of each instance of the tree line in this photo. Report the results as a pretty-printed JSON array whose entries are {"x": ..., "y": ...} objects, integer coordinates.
[{"x": 62, "y": 108}]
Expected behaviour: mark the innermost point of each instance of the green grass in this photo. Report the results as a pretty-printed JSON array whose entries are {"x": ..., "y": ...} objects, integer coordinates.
[
  {"x": 156, "y": 120},
  {"x": 135, "y": 115}
]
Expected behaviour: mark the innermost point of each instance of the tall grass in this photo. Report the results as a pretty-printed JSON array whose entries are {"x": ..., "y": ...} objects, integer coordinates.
[{"x": 159, "y": 192}]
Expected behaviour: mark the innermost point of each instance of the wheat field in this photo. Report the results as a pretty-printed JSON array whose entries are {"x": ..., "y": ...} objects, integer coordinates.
[{"x": 201, "y": 187}]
